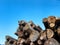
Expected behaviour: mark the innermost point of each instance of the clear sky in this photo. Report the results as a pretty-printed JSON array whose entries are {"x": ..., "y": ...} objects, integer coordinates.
[{"x": 13, "y": 10}]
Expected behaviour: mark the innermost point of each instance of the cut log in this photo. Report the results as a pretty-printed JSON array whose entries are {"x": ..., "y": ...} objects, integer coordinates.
[
  {"x": 46, "y": 34},
  {"x": 52, "y": 25},
  {"x": 43, "y": 35},
  {"x": 51, "y": 41},
  {"x": 51, "y": 19},
  {"x": 39, "y": 42},
  {"x": 34, "y": 36},
  {"x": 30, "y": 34},
  {"x": 9, "y": 38},
  {"x": 49, "y": 33},
  {"x": 20, "y": 41}
]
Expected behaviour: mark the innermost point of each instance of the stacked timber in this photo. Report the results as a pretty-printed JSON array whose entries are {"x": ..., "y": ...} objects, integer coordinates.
[{"x": 30, "y": 34}]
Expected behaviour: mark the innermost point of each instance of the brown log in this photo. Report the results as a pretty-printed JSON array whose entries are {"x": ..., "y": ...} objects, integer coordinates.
[
  {"x": 45, "y": 22},
  {"x": 52, "y": 25},
  {"x": 39, "y": 42},
  {"x": 43, "y": 35},
  {"x": 20, "y": 41},
  {"x": 26, "y": 34},
  {"x": 27, "y": 30},
  {"x": 18, "y": 30},
  {"x": 38, "y": 28},
  {"x": 11, "y": 41},
  {"x": 31, "y": 24},
  {"x": 15, "y": 43},
  {"x": 57, "y": 34},
  {"x": 31, "y": 34},
  {"x": 34, "y": 35},
  {"x": 51, "y": 19},
  {"x": 46, "y": 34},
  {"x": 49, "y": 33},
  {"x": 58, "y": 30},
  {"x": 6, "y": 43},
  {"x": 22, "y": 23},
  {"x": 32, "y": 43},
  {"x": 9, "y": 38},
  {"x": 48, "y": 24},
  {"x": 51, "y": 41},
  {"x": 27, "y": 27},
  {"x": 57, "y": 23},
  {"x": 27, "y": 41},
  {"x": 19, "y": 34}
]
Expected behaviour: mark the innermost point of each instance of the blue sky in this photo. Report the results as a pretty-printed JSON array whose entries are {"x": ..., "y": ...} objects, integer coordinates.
[{"x": 13, "y": 10}]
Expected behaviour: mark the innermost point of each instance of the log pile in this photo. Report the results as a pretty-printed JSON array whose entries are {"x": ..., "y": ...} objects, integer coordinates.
[{"x": 30, "y": 34}]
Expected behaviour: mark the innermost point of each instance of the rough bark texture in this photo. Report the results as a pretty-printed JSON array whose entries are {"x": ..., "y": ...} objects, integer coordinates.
[{"x": 30, "y": 34}]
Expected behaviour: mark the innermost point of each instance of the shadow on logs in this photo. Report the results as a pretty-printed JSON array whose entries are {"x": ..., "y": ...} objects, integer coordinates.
[{"x": 30, "y": 34}]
